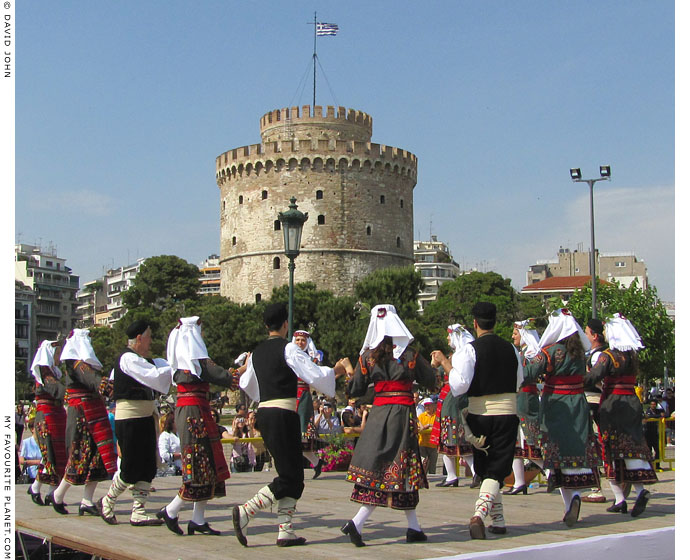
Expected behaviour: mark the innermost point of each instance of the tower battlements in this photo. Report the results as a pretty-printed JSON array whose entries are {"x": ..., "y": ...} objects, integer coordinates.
[{"x": 338, "y": 122}]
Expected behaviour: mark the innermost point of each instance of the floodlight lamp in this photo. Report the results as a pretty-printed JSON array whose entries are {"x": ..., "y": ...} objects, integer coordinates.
[
  {"x": 575, "y": 173},
  {"x": 605, "y": 171}
]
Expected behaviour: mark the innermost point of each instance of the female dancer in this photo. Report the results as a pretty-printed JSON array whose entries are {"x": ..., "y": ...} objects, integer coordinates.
[{"x": 386, "y": 466}]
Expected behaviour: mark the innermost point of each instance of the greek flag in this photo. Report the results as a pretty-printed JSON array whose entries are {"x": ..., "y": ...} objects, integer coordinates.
[{"x": 323, "y": 29}]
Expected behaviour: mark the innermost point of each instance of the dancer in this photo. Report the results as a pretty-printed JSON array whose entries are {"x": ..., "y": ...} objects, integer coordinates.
[
  {"x": 305, "y": 405},
  {"x": 488, "y": 369},
  {"x": 527, "y": 447},
  {"x": 204, "y": 469},
  {"x": 627, "y": 458},
  {"x": 136, "y": 377},
  {"x": 89, "y": 437},
  {"x": 568, "y": 443},
  {"x": 386, "y": 467},
  {"x": 448, "y": 431},
  {"x": 50, "y": 420},
  {"x": 271, "y": 379}
]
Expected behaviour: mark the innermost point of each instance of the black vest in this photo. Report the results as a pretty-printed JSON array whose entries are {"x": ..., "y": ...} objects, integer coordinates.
[
  {"x": 495, "y": 371},
  {"x": 276, "y": 379},
  {"x": 126, "y": 387}
]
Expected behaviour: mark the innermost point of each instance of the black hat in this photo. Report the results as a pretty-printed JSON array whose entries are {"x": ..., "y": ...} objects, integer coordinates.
[
  {"x": 136, "y": 328},
  {"x": 596, "y": 326},
  {"x": 275, "y": 314},
  {"x": 484, "y": 310}
]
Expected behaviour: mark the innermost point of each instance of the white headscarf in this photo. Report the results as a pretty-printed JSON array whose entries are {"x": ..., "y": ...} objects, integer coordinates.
[
  {"x": 45, "y": 356},
  {"x": 621, "y": 334},
  {"x": 459, "y": 337},
  {"x": 186, "y": 347},
  {"x": 528, "y": 337},
  {"x": 78, "y": 347},
  {"x": 311, "y": 347},
  {"x": 561, "y": 325},
  {"x": 384, "y": 322}
]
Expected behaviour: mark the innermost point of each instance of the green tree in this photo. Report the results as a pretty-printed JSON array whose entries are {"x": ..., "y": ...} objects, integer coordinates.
[
  {"x": 645, "y": 311},
  {"x": 398, "y": 286},
  {"x": 162, "y": 282},
  {"x": 107, "y": 344}
]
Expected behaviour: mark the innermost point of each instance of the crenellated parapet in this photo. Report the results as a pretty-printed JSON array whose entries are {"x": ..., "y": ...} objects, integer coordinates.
[
  {"x": 333, "y": 155},
  {"x": 338, "y": 123}
]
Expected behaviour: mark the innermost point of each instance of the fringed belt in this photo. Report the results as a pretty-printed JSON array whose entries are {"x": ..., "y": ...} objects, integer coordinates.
[
  {"x": 196, "y": 394},
  {"x": 393, "y": 392},
  {"x": 564, "y": 385},
  {"x": 97, "y": 423}
]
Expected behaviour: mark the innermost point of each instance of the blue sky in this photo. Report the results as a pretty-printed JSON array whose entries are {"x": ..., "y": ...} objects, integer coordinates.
[{"x": 122, "y": 107}]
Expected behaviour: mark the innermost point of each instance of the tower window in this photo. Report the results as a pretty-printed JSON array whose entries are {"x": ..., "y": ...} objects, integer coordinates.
[
  {"x": 234, "y": 240},
  {"x": 402, "y": 203},
  {"x": 319, "y": 195},
  {"x": 321, "y": 220},
  {"x": 257, "y": 298},
  {"x": 383, "y": 199},
  {"x": 276, "y": 225},
  {"x": 398, "y": 242},
  {"x": 241, "y": 199},
  {"x": 368, "y": 230},
  {"x": 264, "y": 195},
  {"x": 276, "y": 263}
]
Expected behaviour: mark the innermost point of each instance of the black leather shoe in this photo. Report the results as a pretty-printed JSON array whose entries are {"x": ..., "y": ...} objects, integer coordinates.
[
  {"x": 415, "y": 536},
  {"x": 476, "y": 481},
  {"x": 109, "y": 520},
  {"x": 448, "y": 483},
  {"x": 203, "y": 529},
  {"x": 497, "y": 530},
  {"x": 299, "y": 541},
  {"x": 516, "y": 490},
  {"x": 573, "y": 512},
  {"x": 35, "y": 497},
  {"x": 172, "y": 523},
  {"x": 238, "y": 526},
  {"x": 640, "y": 503},
  {"x": 60, "y": 508},
  {"x": 91, "y": 510},
  {"x": 317, "y": 468},
  {"x": 350, "y": 530},
  {"x": 621, "y": 507}
]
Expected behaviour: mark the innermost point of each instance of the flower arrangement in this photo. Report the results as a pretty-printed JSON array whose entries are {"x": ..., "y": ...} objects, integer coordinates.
[{"x": 336, "y": 454}]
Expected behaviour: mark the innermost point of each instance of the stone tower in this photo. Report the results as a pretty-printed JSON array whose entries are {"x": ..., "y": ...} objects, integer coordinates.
[{"x": 358, "y": 195}]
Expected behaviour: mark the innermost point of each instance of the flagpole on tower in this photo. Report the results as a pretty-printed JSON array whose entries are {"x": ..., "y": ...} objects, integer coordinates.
[{"x": 314, "y": 57}]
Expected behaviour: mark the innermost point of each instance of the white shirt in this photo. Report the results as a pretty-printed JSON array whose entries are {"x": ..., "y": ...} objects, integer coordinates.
[
  {"x": 462, "y": 372},
  {"x": 168, "y": 444},
  {"x": 157, "y": 376},
  {"x": 322, "y": 378}
]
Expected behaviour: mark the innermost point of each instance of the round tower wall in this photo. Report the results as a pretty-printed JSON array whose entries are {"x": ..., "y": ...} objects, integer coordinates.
[{"x": 337, "y": 124}]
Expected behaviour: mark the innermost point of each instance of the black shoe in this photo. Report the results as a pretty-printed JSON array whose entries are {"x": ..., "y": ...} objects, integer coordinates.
[
  {"x": 640, "y": 503},
  {"x": 237, "y": 525},
  {"x": 497, "y": 530},
  {"x": 192, "y": 527},
  {"x": 516, "y": 490},
  {"x": 91, "y": 510},
  {"x": 448, "y": 483},
  {"x": 573, "y": 512},
  {"x": 621, "y": 507},
  {"x": 109, "y": 520},
  {"x": 60, "y": 508},
  {"x": 147, "y": 523},
  {"x": 299, "y": 541},
  {"x": 476, "y": 481},
  {"x": 477, "y": 528},
  {"x": 415, "y": 536},
  {"x": 317, "y": 469},
  {"x": 35, "y": 497},
  {"x": 172, "y": 523},
  {"x": 350, "y": 530}
]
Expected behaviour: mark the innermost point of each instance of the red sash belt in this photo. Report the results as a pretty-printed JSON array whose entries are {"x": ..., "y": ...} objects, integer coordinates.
[
  {"x": 624, "y": 385},
  {"x": 531, "y": 388},
  {"x": 56, "y": 422},
  {"x": 393, "y": 392},
  {"x": 435, "y": 437},
  {"x": 564, "y": 385},
  {"x": 196, "y": 394},
  {"x": 97, "y": 423}
]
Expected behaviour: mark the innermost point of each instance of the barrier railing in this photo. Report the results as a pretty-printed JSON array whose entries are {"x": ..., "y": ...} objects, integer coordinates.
[{"x": 666, "y": 454}]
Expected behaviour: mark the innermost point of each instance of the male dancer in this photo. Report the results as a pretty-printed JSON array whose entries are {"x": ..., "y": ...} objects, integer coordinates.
[{"x": 271, "y": 379}]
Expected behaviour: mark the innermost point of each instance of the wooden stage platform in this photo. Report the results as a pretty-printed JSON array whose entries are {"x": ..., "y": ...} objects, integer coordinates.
[{"x": 532, "y": 520}]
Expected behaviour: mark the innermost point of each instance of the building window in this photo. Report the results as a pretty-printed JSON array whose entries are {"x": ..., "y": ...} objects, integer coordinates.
[
  {"x": 241, "y": 199},
  {"x": 264, "y": 195},
  {"x": 368, "y": 230},
  {"x": 276, "y": 225},
  {"x": 398, "y": 242},
  {"x": 383, "y": 199},
  {"x": 402, "y": 203},
  {"x": 321, "y": 219},
  {"x": 276, "y": 263},
  {"x": 223, "y": 206},
  {"x": 234, "y": 241},
  {"x": 257, "y": 298},
  {"x": 319, "y": 195},
  {"x": 620, "y": 264}
]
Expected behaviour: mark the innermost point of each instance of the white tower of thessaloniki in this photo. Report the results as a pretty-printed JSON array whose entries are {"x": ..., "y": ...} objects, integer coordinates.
[{"x": 359, "y": 197}]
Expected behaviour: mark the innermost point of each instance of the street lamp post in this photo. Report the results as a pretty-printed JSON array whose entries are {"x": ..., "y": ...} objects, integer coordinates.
[
  {"x": 576, "y": 176},
  {"x": 291, "y": 223}
]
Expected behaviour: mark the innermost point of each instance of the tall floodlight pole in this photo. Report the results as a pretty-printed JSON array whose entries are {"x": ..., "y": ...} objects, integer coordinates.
[{"x": 576, "y": 176}]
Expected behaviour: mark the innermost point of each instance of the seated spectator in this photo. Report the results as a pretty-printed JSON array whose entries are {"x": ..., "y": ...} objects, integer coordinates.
[
  {"x": 30, "y": 454},
  {"x": 169, "y": 444},
  {"x": 325, "y": 422}
]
